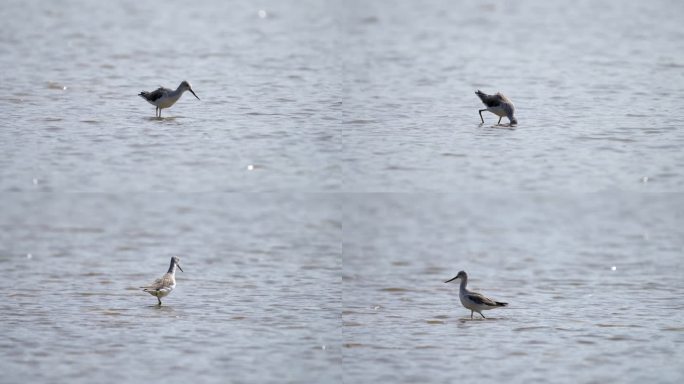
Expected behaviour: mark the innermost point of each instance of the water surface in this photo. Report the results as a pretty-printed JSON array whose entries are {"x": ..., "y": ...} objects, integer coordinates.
[
  {"x": 570, "y": 216},
  {"x": 258, "y": 300},
  {"x": 72, "y": 121},
  {"x": 594, "y": 288},
  {"x": 596, "y": 85}
]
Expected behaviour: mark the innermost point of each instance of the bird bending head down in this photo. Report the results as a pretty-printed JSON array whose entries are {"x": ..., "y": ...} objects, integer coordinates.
[{"x": 499, "y": 105}]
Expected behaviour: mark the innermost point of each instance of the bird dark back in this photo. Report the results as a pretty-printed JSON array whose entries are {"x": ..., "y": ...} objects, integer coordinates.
[
  {"x": 489, "y": 100},
  {"x": 152, "y": 96}
]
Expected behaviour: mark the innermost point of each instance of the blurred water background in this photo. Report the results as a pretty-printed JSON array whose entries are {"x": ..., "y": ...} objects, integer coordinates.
[
  {"x": 267, "y": 76},
  {"x": 295, "y": 190},
  {"x": 594, "y": 287},
  {"x": 596, "y": 85},
  {"x": 258, "y": 301}
]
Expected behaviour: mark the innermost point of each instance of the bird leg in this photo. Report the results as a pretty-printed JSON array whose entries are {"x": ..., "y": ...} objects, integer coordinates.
[
  {"x": 482, "y": 315},
  {"x": 471, "y": 315},
  {"x": 159, "y": 301},
  {"x": 481, "y": 115},
  {"x": 498, "y": 124}
]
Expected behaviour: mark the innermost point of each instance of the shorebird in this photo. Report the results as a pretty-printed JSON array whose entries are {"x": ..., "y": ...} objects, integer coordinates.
[
  {"x": 499, "y": 105},
  {"x": 474, "y": 301},
  {"x": 164, "y": 97},
  {"x": 164, "y": 285}
]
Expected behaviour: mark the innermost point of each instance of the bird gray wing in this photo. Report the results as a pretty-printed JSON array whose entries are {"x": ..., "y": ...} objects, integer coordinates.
[
  {"x": 155, "y": 285},
  {"x": 156, "y": 94},
  {"x": 480, "y": 299},
  {"x": 506, "y": 104},
  {"x": 509, "y": 109},
  {"x": 490, "y": 101}
]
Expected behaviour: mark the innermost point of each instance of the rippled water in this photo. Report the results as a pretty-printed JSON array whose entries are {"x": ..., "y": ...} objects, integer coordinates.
[
  {"x": 319, "y": 95},
  {"x": 72, "y": 117},
  {"x": 333, "y": 175},
  {"x": 596, "y": 85},
  {"x": 594, "y": 288},
  {"x": 250, "y": 305}
]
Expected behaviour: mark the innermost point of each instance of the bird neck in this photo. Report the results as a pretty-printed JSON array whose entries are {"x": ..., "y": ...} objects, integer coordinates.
[
  {"x": 180, "y": 89},
  {"x": 464, "y": 282},
  {"x": 172, "y": 268},
  {"x": 176, "y": 94}
]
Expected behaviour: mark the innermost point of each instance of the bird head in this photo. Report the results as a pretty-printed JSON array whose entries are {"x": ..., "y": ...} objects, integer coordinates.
[
  {"x": 461, "y": 274},
  {"x": 185, "y": 86}
]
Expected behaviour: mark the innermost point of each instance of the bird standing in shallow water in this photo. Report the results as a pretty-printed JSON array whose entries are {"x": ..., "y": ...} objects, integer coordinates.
[
  {"x": 165, "y": 98},
  {"x": 499, "y": 105},
  {"x": 474, "y": 301},
  {"x": 164, "y": 285}
]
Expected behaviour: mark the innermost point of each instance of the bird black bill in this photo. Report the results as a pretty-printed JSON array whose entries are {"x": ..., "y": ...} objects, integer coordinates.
[
  {"x": 178, "y": 265},
  {"x": 450, "y": 280},
  {"x": 193, "y": 93}
]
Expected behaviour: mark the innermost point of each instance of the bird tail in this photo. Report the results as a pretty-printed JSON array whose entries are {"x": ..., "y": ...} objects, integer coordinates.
[
  {"x": 481, "y": 95},
  {"x": 501, "y": 304}
]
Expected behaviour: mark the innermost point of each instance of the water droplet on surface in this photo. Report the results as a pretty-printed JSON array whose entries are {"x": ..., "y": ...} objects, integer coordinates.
[
  {"x": 613, "y": 268},
  {"x": 250, "y": 167}
]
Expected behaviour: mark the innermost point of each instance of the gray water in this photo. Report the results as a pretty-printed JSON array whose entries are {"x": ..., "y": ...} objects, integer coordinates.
[
  {"x": 249, "y": 306},
  {"x": 596, "y": 84},
  {"x": 354, "y": 96},
  {"x": 594, "y": 288},
  {"x": 269, "y": 90},
  {"x": 334, "y": 173}
]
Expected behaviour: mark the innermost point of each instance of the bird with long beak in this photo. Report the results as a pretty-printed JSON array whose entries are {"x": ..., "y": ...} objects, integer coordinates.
[
  {"x": 165, "y": 98},
  {"x": 474, "y": 301},
  {"x": 164, "y": 285}
]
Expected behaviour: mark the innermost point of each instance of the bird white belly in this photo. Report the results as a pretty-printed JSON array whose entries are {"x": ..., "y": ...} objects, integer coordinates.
[
  {"x": 472, "y": 305},
  {"x": 162, "y": 291},
  {"x": 497, "y": 111},
  {"x": 166, "y": 102},
  {"x": 468, "y": 304}
]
